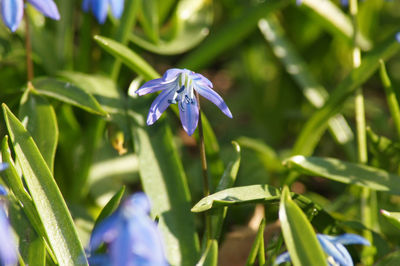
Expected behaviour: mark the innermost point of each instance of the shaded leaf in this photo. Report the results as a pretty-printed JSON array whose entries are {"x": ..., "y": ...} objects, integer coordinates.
[
  {"x": 392, "y": 217},
  {"x": 210, "y": 255},
  {"x": 111, "y": 206}
]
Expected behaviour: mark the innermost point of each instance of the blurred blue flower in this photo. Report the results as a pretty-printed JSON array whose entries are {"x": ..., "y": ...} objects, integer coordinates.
[
  {"x": 100, "y": 8},
  {"x": 8, "y": 250},
  {"x": 12, "y": 11},
  {"x": 398, "y": 37},
  {"x": 3, "y": 166},
  {"x": 178, "y": 86},
  {"x": 132, "y": 237},
  {"x": 334, "y": 248}
]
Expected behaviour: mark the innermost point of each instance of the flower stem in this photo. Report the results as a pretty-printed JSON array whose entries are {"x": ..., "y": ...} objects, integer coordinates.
[
  {"x": 28, "y": 48},
  {"x": 367, "y": 211},
  {"x": 206, "y": 187}
]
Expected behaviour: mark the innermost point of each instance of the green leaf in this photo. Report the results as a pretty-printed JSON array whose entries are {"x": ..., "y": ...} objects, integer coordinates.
[
  {"x": 52, "y": 210},
  {"x": 238, "y": 195},
  {"x": 392, "y": 217},
  {"x": 37, "y": 253},
  {"x": 149, "y": 19},
  {"x": 128, "y": 57},
  {"x": 392, "y": 259},
  {"x": 111, "y": 206},
  {"x": 258, "y": 246},
  {"x": 317, "y": 124},
  {"x": 68, "y": 93},
  {"x": 314, "y": 92},
  {"x": 391, "y": 97},
  {"x": 229, "y": 35},
  {"x": 298, "y": 233},
  {"x": 210, "y": 255},
  {"x": 40, "y": 120},
  {"x": 189, "y": 26},
  {"x": 332, "y": 18},
  {"x": 164, "y": 181},
  {"x": 345, "y": 172},
  {"x": 227, "y": 180}
]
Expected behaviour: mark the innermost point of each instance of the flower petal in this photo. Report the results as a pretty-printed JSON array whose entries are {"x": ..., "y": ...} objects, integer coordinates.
[
  {"x": 284, "y": 257},
  {"x": 3, "y": 166},
  {"x": 117, "y": 7},
  {"x": 155, "y": 85},
  {"x": 201, "y": 80},
  {"x": 106, "y": 231},
  {"x": 86, "y": 4},
  {"x": 214, "y": 97},
  {"x": 8, "y": 251},
  {"x": 47, "y": 8},
  {"x": 171, "y": 74},
  {"x": 100, "y": 8},
  {"x": 12, "y": 12},
  {"x": 348, "y": 239},
  {"x": 189, "y": 113},
  {"x": 159, "y": 105},
  {"x": 121, "y": 247},
  {"x": 331, "y": 249}
]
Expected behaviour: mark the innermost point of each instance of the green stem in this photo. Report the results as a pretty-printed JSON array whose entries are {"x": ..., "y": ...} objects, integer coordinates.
[
  {"x": 206, "y": 187},
  {"x": 28, "y": 48},
  {"x": 391, "y": 97},
  {"x": 366, "y": 210},
  {"x": 126, "y": 25}
]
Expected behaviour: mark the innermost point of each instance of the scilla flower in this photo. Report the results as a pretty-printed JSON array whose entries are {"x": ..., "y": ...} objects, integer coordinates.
[
  {"x": 334, "y": 248},
  {"x": 8, "y": 250},
  {"x": 13, "y": 11},
  {"x": 132, "y": 237},
  {"x": 179, "y": 86},
  {"x": 100, "y": 8}
]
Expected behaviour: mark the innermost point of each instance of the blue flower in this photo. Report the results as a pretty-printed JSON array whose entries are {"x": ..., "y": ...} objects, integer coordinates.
[
  {"x": 334, "y": 248},
  {"x": 178, "y": 86},
  {"x": 132, "y": 237},
  {"x": 3, "y": 166},
  {"x": 13, "y": 11},
  {"x": 8, "y": 250},
  {"x": 398, "y": 37},
  {"x": 100, "y": 8}
]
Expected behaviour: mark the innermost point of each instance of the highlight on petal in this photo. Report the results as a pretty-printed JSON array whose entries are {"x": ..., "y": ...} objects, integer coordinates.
[
  {"x": 46, "y": 7},
  {"x": 12, "y": 12},
  {"x": 189, "y": 114},
  {"x": 159, "y": 105},
  {"x": 117, "y": 7},
  {"x": 155, "y": 85},
  {"x": 172, "y": 74},
  {"x": 214, "y": 97},
  {"x": 331, "y": 249}
]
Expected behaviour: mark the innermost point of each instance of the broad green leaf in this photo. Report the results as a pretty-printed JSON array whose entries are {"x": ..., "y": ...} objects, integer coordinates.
[
  {"x": 210, "y": 255},
  {"x": 164, "y": 181},
  {"x": 68, "y": 93},
  {"x": 40, "y": 120},
  {"x": 229, "y": 35},
  {"x": 189, "y": 26},
  {"x": 128, "y": 57},
  {"x": 258, "y": 246},
  {"x": 227, "y": 180},
  {"x": 238, "y": 195},
  {"x": 111, "y": 206},
  {"x": 392, "y": 217},
  {"x": 332, "y": 18},
  {"x": 314, "y": 92},
  {"x": 14, "y": 182},
  {"x": 345, "y": 172},
  {"x": 317, "y": 124},
  {"x": 52, "y": 210},
  {"x": 298, "y": 233}
]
